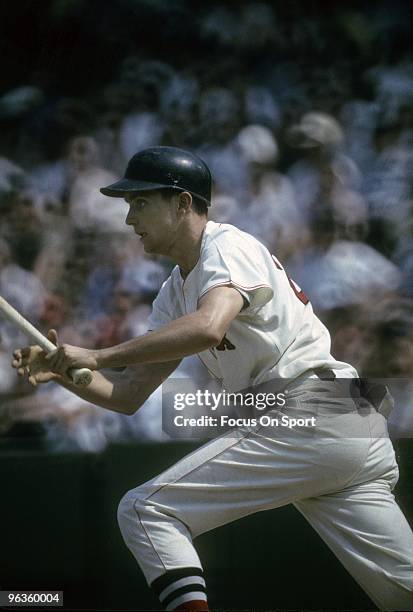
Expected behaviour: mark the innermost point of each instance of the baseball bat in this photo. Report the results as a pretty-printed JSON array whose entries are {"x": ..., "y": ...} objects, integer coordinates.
[{"x": 81, "y": 377}]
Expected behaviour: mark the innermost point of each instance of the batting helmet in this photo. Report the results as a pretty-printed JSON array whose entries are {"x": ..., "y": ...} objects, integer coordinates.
[{"x": 164, "y": 168}]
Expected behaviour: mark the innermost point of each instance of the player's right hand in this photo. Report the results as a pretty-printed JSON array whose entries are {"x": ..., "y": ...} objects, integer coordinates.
[{"x": 31, "y": 361}]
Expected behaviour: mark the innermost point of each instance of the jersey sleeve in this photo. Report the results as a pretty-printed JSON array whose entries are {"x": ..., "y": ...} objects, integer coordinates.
[{"x": 239, "y": 264}]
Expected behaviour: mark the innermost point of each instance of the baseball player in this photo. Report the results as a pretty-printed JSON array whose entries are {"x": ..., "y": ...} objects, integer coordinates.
[{"x": 231, "y": 302}]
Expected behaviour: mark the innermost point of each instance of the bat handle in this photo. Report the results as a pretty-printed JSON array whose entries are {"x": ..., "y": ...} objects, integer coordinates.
[{"x": 81, "y": 377}]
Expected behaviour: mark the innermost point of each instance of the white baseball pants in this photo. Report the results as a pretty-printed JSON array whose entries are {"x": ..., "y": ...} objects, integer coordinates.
[{"x": 339, "y": 475}]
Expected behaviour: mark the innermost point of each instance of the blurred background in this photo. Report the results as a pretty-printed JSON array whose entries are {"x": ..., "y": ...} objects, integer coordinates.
[{"x": 304, "y": 113}]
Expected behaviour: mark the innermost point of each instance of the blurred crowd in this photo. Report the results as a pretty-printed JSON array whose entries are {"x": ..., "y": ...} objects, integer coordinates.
[{"x": 315, "y": 165}]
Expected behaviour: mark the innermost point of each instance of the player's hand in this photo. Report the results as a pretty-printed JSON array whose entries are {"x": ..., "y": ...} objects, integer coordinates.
[
  {"x": 31, "y": 361},
  {"x": 66, "y": 356}
]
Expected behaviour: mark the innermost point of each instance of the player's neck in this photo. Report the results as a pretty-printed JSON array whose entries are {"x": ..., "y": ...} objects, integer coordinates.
[{"x": 185, "y": 251}]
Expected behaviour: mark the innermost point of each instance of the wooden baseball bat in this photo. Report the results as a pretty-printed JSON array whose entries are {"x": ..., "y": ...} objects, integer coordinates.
[{"x": 81, "y": 377}]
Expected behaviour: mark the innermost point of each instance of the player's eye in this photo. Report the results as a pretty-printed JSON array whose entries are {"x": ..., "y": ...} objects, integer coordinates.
[{"x": 139, "y": 204}]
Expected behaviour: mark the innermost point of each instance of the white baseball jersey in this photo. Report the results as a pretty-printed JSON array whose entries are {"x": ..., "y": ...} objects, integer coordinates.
[{"x": 276, "y": 335}]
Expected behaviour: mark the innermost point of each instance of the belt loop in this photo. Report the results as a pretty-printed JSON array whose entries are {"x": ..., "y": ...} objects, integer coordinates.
[{"x": 324, "y": 374}]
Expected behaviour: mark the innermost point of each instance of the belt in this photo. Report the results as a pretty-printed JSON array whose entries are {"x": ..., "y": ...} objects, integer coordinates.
[{"x": 377, "y": 394}]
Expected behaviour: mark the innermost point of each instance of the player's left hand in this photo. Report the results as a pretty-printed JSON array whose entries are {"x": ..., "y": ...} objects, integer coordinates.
[{"x": 67, "y": 356}]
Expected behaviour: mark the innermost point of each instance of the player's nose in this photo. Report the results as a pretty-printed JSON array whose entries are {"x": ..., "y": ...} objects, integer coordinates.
[{"x": 130, "y": 218}]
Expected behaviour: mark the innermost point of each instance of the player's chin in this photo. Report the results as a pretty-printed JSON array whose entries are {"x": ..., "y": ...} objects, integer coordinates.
[{"x": 149, "y": 247}]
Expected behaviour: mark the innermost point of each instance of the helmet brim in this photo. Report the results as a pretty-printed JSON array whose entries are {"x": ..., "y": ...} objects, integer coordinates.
[{"x": 124, "y": 186}]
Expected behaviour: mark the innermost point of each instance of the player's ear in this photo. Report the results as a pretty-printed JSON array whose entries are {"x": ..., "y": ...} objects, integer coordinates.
[{"x": 184, "y": 201}]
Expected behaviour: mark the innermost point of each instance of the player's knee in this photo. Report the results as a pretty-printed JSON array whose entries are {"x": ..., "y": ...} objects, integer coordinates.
[{"x": 129, "y": 508}]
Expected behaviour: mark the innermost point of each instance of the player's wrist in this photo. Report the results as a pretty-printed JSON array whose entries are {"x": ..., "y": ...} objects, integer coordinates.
[
  {"x": 115, "y": 357},
  {"x": 101, "y": 358},
  {"x": 106, "y": 358}
]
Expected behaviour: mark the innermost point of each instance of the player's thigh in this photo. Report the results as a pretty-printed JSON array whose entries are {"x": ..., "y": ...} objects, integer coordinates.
[{"x": 246, "y": 471}]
